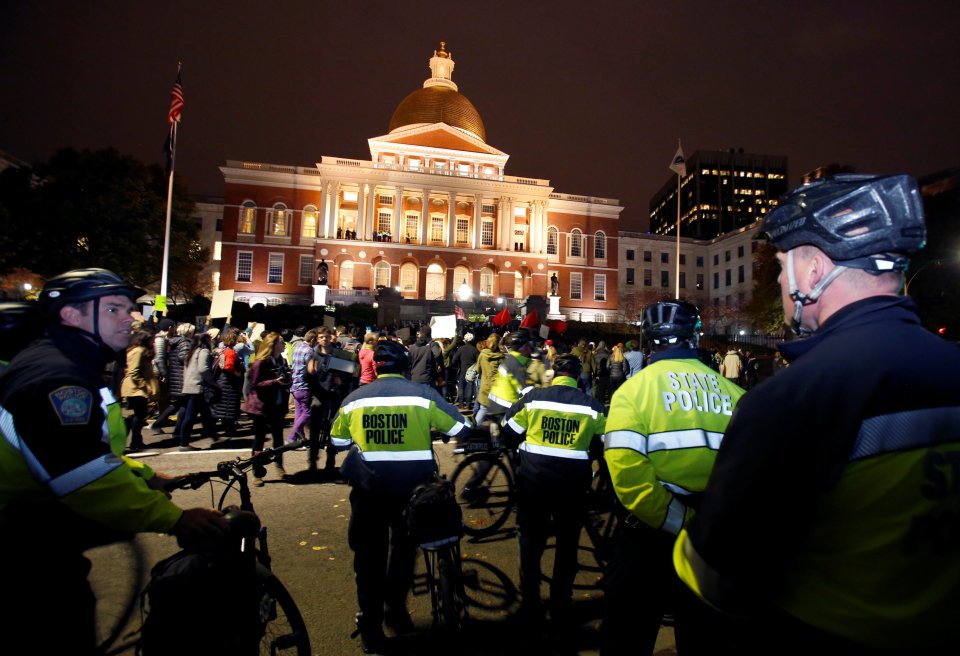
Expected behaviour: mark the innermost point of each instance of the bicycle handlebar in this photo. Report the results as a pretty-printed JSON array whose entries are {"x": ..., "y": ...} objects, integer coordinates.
[{"x": 232, "y": 468}]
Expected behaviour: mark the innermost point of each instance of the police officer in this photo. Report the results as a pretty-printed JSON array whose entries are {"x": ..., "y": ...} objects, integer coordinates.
[
  {"x": 663, "y": 430},
  {"x": 64, "y": 485},
  {"x": 556, "y": 428},
  {"x": 831, "y": 519},
  {"x": 386, "y": 425},
  {"x": 512, "y": 379}
]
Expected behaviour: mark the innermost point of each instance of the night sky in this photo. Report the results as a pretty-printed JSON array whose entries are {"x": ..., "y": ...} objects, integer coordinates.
[{"x": 590, "y": 95}]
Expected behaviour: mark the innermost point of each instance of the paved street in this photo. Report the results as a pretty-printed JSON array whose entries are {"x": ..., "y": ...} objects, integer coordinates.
[{"x": 307, "y": 522}]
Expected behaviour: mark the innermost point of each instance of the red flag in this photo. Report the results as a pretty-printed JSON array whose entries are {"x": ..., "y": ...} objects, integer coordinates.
[
  {"x": 558, "y": 326},
  {"x": 176, "y": 101},
  {"x": 532, "y": 320},
  {"x": 502, "y": 318},
  {"x": 457, "y": 310}
]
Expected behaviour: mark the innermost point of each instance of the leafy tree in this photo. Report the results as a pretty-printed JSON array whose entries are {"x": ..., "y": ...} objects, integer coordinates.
[
  {"x": 765, "y": 308},
  {"x": 98, "y": 209}
]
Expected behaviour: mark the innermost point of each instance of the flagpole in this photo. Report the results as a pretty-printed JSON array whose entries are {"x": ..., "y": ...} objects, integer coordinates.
[
  {"x": 677, "y": 281},
  {"x": 166, "y": 234}
]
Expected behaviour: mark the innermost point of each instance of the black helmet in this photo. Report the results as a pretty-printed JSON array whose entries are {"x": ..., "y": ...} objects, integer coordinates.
[
  {"x": 391, "y": 357},
  {"x": 567, "y": 365},
  {"x": 669, "y": 321},
  {"x": 20, "y": 324},
  {"x": 515, "y": 340},
  {"x": 80, "y": 285},
  {"x": 854, "y": 219}
]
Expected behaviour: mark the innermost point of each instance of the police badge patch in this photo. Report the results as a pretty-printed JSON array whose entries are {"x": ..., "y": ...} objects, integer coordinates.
[{"x": 72, "y": 404}]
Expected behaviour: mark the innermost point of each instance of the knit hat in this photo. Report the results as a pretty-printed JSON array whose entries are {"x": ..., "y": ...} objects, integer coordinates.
[{"x": 468, "y": 337}]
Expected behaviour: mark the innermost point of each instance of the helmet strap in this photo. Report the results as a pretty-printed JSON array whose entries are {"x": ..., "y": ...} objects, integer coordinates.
[{"x": 800, "y": 299}]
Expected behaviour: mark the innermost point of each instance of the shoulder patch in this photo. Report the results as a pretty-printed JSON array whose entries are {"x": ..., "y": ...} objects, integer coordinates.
[{"x": 72, "y": 404}]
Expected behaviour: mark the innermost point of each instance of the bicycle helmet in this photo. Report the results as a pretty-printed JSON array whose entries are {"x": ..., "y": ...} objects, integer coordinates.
[
  {"x": 668, "y": 322},
  {"x": 80, "y": 285},
  {"x": 515, "y": 341},
  {"x": 567, "y": 365},
  {"x": 870, "y": 222},
  {"x": 391, "y": 358}
]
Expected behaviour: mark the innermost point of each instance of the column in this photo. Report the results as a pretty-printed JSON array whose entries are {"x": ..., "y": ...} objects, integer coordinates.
[
  {"x": 361, "y": 208},
  {"x": 451, "y": 219},
  {"x": 328, "y": 210},
  {"x": 501, "y": 213},
  {"x": 371, "y": 212},
  {"x": 424, "y": 216},
  {"x": 477, "y": 210},
  {"x": 397, "y": 215},
  {"x": 321, "y": 203}
]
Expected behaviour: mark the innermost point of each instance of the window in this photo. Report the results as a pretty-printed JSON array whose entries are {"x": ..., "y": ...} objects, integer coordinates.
[
  {"x": 486, "y": 281},
  {"x": 647, "y": 256},
  {"x": 630, "y": 254},
  {"x": 576, "y": 285},
  {"x": 308, "y": 229},
  {"x": 384, "y": 221},
  {"x": 517, "y": 285},
  {"x": 277, "y": 218},
  {"x": 552, "y": 239},
  {"x": 664, "y": 278},
  {"x": 381, "y": 274},
  {"x": 346, "y": 275},
  {"x": 408, "y": 279},
  {"x": 436, "y": 228},
  {"x": 306, "y": 270},
  {"x": 599, "y": 288},
  {"x": 740, "y": 251},
  {"x": 489, "y": 209},
  {"x": 463, "y": 230},
  {"x": 599, "y": 246},
  {"x": 242, "y": 299},
  {"x": 683, "y": 259},
  {"x": 716, "y": 259},
  {"x": 486, "y": 232},
  {"x": 683, "y": 280},
  {"x": 599, "y": 318},
  {"x": 248, "y": 218},
  {"x": 461, "y": 277},
  {"x": 275, "y": 268},
  {"x": 244, "y": 266},
  {"x": 273, "y": 301},
  {"x": 434, "y": 290},
  {"x": 385, "y": 200},
  {"x": 729, "y": 277},
  {"x": 629, "y": 275},
  {"x": 716, "y": 280},
  {"x": 217, "y": 250},
  {"x": 350, "y": 196},
  {"x": 576, "y": 244},
  {"x": 699, "y": 261},
  {"x": 412, "y": 229},
  {"x": 699, "y": 281},
  {"x": 726, "y": 256},
  {"x": 648, "y": 277},
  {"x": 740, "y": 273},
  {"x": 664, "y": 258}
]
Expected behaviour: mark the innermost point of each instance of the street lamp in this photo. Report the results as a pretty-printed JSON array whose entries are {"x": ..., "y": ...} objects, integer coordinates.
[{"x": 464, "y": 292}]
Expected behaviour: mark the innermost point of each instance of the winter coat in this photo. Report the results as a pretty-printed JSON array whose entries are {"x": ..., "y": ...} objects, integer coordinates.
[
  {"x": 178, "y": 348},
  {"x": 195, "y": 369},
  {"x": 487, "y": 364},
  {"x": 139, "y": 379}
]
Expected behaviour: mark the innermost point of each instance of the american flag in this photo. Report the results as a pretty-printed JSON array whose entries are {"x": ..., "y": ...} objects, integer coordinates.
[
  {"x": 176, "y": 101},
  {"x": 457, "y": 310}
]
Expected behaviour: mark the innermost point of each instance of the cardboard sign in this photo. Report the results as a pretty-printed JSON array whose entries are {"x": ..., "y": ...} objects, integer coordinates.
[
  {"x": 222, "y": 304},
  {"x": 160, "y": 303},
  {"x": 544, "y": 331},
  {"x": 443, "y": 326}
]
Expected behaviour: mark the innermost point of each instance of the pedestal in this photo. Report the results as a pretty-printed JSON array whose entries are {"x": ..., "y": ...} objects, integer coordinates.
[
  {"x": 320, "y": 294},
  {"x": 554, "y": 311}
]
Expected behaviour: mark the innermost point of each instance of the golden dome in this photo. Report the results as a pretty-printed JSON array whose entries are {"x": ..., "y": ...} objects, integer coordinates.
[{"x": 439, "y": 104}]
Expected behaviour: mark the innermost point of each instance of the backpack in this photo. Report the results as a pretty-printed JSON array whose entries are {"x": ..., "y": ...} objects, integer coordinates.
[
  {"x": 200, "y": 603},
  {"x": 471, "y": 373},
  {"x": 433, "y": 515}
]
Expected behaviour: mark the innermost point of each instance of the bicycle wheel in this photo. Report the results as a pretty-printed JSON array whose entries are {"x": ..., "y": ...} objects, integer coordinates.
[
  {"x": 486, "y": 505},
  {"x": 450, "y": 614},
  {"x": 117, "y": 577},
  {"x": 284, "y": 631}
]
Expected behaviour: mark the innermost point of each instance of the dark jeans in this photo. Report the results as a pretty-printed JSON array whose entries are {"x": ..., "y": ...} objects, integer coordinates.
[
  {"x": 194, "y": 405},
  {"x": 176, "y": 407},
  {"x": 540, "y": 513},
  {"x": 465, "y": 391},
  {"x": 383, "y": 552},
  {"x": 271, "y": 421},
  {"x": 136, "y": 422},
  {"x": 322, "y": 412}
]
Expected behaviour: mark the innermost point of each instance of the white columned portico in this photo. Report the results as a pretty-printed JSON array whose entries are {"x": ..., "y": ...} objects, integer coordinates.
[
  {"x": 424, "y": 216},
  {"x": 477, "y": 208},
  {"x": 398, "y": 215},
  {"x": 451, "y": 219},
  {"x": 368, "y": 221},
  {"x": 361, "y": 209}
]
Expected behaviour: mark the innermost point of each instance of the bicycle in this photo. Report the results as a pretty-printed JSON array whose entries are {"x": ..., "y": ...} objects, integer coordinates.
[
  {"x": 484, "y": 482},
  {"x": 281, "y": 628},
  {"x": 436, "y": 524}
]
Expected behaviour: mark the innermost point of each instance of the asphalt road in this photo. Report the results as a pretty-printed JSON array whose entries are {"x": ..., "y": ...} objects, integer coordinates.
[{"x": 307, "y": 525}]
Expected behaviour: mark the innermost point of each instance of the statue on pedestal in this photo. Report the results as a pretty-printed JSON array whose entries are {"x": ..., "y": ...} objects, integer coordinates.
[
  {"x": 554, "y": 285},
  {"x": 322, "y": 273}
]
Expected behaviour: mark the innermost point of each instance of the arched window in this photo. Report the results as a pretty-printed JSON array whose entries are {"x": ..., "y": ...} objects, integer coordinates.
[
  {"x": 461, "y": 276},
  {"x": 381, "y": 274},
  {"x": 576, "y": 243},
  {"x": 552, "y": 240},
  {"x": 308, "y": 227},
  {"x": 486, "y": 281},
  {"x": 277, "y": 218},
  {"x": 599, "y": 245},
  {"x": 518, "y": 285},
  {"x": 408, "y": 280},
  {"x": 248, "y": 218},
  {"x": 346, "y": 275},
  {"x": 435, "y": 288}
]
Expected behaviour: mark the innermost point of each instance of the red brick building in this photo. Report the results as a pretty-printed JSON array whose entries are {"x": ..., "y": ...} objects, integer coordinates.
[{"x": 431, "y": 213}]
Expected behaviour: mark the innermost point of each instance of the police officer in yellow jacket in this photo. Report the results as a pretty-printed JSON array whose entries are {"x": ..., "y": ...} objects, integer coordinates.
[
  {"x": 512, "y": 379},
  {"x": 557, "y": 429},
  {"x": 663, "y": 430},
  {"x": 64, "y": 484},
  {"x": 386, "y": 425},
  {"x": 832, "y": 518}
]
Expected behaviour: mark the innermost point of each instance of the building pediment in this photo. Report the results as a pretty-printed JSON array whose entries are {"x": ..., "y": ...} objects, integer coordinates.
[{"x": 435, "y": 135}]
